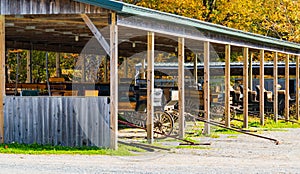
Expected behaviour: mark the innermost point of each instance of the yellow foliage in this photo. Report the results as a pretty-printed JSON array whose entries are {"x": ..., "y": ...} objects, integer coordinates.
[{"x": 275, "y": 18}]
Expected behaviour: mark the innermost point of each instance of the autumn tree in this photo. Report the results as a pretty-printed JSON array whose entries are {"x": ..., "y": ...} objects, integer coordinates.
[{"x": 274, "y": 18}]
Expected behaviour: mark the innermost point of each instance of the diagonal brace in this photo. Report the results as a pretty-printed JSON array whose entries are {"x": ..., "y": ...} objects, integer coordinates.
[{"x": 96, "y": 33}]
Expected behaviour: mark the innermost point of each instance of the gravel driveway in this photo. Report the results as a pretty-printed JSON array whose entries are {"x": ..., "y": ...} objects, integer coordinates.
[{"x": 241, "y": 154}]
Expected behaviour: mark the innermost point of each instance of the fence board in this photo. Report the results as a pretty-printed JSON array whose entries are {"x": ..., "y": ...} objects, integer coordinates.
[{"x": 67, "y": 121}]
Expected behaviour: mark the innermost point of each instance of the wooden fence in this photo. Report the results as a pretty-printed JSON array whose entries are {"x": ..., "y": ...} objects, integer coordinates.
[{"x": 66, "y": 121}]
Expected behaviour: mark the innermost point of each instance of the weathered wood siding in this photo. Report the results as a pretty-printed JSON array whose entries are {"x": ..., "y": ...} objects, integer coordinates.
[
  {"x": 67, "y": 121},
  {"x": 46, "y": 7}
]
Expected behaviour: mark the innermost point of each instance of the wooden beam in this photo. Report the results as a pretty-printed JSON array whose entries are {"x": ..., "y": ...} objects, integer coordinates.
[
  {"x": 57, "y": 65},
  {"x": 297, "y": 87},
  {"x": 150, "y": 86},
  {"x": 2, "y": 75},
  {"x": 262, "y": 87},
  {"x": 181, "y": 86},
  {"x": 275, "y": 88},
  {"x": 96, "y": 33},
  {"x": 28, "y": 66},
  {"x": 113, "y": 82},
  {"x": 227, "y": 85},
  {"x": 206, "y": 87},
  {"x": 287, "y": 89},
  {"x": 245, "y": 86},
  {"x": 250, "y": 80},
  {"x": 196, "y": 68}
]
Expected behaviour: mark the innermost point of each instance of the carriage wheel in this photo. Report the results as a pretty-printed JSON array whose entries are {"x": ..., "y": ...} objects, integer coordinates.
[
  {"x": 136, "y": 118},
  {"x": 191, "y": 107},
  {"x": 163, "y": 124}
]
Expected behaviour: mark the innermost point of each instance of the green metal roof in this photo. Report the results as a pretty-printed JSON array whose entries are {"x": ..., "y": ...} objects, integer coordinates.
[{"x": 121, "y": 7}]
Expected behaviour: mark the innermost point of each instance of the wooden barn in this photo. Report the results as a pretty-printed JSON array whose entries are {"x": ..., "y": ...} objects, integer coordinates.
[{"x": 117, "y": 33}]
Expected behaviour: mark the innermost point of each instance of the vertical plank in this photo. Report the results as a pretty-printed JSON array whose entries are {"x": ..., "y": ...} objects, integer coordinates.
[
  {"x": 181, "y": 87},
  {"x": 250, "y": 80},
  {"x": 36, "y": 120},
  {"x": 150, "y": 86},
  {"x": 59, "y": 120},
  {"x": 47, "y": 120},
  {"x": 262, "y": 87},
  {"x": 245, "y": 86},
  {"x": 206, "y": 87},
  {"x": 297, "y": 88},
  {"x": 287, "y": 92},
  {"x": 71, "y": 121},
  {"x": 28, "y": 67},
  {"x": 114, "y": 82},
  {"x": 275, "y": 88},
  {"x": 106, "y": 122},
  {"x": 57, "y": 65},
  {"x": 2, "y": 75},
  {"x": 227, "y": 85},
  {"x": 196, "y": 68}
]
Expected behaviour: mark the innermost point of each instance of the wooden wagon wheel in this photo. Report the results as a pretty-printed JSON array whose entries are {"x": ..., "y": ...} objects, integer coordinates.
[
  {"x": 137, "y": 118},
  {"x": 192, "y": 108},
  {"x": 163, "y": 124}
]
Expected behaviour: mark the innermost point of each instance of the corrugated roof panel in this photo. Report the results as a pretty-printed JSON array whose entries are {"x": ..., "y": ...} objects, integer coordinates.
[{"x": 121, "y": 7}]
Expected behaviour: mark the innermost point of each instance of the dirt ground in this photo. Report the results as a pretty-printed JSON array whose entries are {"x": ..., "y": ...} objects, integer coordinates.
[{"x": 226, "y": 154}]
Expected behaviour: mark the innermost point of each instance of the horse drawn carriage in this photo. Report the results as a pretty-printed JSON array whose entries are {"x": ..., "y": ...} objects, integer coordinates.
[{"x": 133, "y": 105}]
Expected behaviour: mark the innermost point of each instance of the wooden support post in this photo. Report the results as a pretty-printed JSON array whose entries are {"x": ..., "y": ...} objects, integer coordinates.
[
  {"x": 262, "y": 87},
  {"x": 206, "y": 87},
  {"x": 181, "y": 86},
  {"x": 275, "y": 88},
  {"x": 57, "y": 65},
  {"x": 227, "y": 85},
  {"x": 150, "y": 86},
  {"x": 297, "y": 87},
  {"x": 2, "y": 75},
  {"x": 250, "y": 74},
  {"x": 287, "y": 89},
  {"x": 28, "y": 66},
  {"x": 196, "y": 69},
  {"x": 113, "y": 82},
  {"x": 245, "y": 86}
]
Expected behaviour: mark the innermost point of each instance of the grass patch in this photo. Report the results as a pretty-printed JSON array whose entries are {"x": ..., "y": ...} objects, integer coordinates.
[
  {"x": 224, "y": 131},
  {"x": 214, "y": 135},
  {"x": 192, "y": 147},
  {"x": 36, "y": 149}
]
